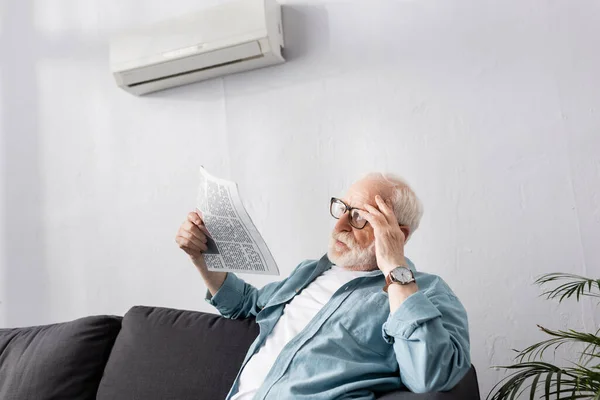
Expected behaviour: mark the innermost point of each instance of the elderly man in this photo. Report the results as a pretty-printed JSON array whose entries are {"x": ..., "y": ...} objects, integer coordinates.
[{"x": 357, "y": 322}]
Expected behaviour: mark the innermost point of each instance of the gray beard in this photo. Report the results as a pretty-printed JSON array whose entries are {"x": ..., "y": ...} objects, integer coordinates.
[{"x": 355, "y": 258}]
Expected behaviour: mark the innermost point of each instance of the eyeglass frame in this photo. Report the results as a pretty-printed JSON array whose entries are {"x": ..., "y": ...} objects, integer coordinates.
[{"x": 348, "y": 210}]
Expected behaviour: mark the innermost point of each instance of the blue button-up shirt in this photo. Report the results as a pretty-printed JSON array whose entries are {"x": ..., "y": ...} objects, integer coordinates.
[{"x": 354, "y": 347}]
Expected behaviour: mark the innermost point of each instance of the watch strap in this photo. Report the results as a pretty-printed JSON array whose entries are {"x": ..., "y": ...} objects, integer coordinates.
[{"x": 389, "y": 280}]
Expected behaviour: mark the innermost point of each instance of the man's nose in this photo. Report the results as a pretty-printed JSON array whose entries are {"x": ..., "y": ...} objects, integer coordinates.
[{"x": 343, "y": 224}]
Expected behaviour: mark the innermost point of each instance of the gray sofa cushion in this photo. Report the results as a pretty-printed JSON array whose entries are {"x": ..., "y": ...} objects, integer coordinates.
[
  {"x": 61, "y": 361},
  {"x": 166, "y": 354}
]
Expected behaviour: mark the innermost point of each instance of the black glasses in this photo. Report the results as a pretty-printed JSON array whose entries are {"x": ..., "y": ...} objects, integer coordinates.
[{"x": 338, "y": 208}]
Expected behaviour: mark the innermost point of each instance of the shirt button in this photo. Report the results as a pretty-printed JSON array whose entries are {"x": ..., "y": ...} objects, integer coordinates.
[{"x": 297, "y": 290}]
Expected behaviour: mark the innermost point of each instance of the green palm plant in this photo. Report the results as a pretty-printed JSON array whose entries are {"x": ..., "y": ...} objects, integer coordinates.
[{"x": 532, "y": 376}]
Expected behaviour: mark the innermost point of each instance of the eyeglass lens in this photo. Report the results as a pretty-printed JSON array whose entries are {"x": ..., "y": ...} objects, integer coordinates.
[{"x": 338, "y": 209}]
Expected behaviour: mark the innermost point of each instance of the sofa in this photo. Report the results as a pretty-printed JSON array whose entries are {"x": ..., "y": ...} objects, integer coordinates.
[{"x": 149, "y": 354}]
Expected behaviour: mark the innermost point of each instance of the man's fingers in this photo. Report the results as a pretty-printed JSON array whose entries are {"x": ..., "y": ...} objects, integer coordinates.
[
  {"x": 195, "y": 218},
  {"x": 191, "y": 251},
  {"x": 371, "y": 219},
  {"x": 186, "y": 239},
  {"x": 195, "y": 240},
  {"x": 191, "y": 236},
  {"x": 185, "y": 243},
  {"x": 386, "y": 209},
  {"x": 195, "y": 231},
  {"x": 377, "y": 218},
  {"x": 204, "y": 231}
]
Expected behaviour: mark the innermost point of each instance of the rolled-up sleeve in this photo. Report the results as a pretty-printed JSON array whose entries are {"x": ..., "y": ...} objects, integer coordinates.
[
  {"x": 238, "y": 299},
  {"x": 430, "y": 335},
  {"x": 230, "y": 296}
]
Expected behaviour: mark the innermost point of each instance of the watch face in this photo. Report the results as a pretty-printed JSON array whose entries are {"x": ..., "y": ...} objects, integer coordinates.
[{"x": 402, "y": 275}]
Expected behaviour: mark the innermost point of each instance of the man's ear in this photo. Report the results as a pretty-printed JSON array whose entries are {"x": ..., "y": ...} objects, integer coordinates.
[{"x": 405, "y": 230}]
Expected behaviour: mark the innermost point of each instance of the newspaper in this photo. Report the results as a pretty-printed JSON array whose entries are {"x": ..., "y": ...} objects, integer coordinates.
[{"x": 235, "y": 244}]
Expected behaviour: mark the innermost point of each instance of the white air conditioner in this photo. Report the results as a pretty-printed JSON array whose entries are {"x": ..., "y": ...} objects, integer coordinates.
[{"x": 229, "y": 38}]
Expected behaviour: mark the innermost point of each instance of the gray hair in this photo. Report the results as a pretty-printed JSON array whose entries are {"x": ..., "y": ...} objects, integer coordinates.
[{"x": 407, "y": 206}]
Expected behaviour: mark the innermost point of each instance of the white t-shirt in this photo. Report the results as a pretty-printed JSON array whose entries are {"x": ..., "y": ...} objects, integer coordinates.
[{"x": 296, "y": 315}]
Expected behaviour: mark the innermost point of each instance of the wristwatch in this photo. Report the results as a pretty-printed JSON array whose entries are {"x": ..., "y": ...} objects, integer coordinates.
[{"x": 401, "y": 275}]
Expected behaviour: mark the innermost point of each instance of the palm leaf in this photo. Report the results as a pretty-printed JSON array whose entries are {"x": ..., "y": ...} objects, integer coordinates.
[
  {"x": 534, "y": 387},
  {"x": 564, "y": 383},
  {"x": 576, "y": 285},
  {"x": 559, "y": 338},
  {"x": 581, "y": 380},
  {"x": 589, "y": 353}
]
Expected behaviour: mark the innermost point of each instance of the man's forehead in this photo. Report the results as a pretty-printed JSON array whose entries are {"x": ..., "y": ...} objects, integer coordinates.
[
  {"x": 357, "y": 199},
  {"x": 364, "y": 192}
]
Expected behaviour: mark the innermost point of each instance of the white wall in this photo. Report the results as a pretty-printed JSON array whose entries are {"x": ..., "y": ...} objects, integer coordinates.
[{"x": 490, "y": 108}]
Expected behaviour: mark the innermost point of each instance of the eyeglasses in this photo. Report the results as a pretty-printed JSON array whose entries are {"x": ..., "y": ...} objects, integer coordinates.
[{"x": 338, "y": 208}]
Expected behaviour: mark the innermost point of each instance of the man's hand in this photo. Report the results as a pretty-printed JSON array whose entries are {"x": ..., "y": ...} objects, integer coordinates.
[
  {"x": 389, "y": 248},
  {"x": 191, "y": 237},
  {"x": 389, "y": 237}
]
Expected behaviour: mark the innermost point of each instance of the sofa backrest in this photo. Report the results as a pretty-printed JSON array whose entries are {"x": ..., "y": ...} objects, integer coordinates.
[
  {"x": 61, "y": 361},
  {"x": 164, "y": 354},
  {"x": 152, "y": 353}
]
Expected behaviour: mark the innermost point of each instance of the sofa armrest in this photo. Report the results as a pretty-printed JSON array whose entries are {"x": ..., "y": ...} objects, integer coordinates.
[
  {"x": 405, "y": 395},
  {"x": 402, "y": 395},
  {"x": 466, "y": 389}
]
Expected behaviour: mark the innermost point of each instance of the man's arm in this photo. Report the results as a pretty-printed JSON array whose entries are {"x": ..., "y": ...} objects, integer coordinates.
[
  {"x": 238, "y": 299},
  {"x": 430, "y": 336},
  {"x": 212, "y": 279},
  {"x": 232, "y": 297},
  {"x": 430, "y": 332}
]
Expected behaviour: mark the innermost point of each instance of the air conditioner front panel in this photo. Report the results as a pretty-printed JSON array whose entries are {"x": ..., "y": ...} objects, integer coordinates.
[
  {"x": 211, "y": 29},
  {"x": 171, "y": 68},
  {"x": 161, "y": 84},
  {"x": 231, "y": 37}
]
